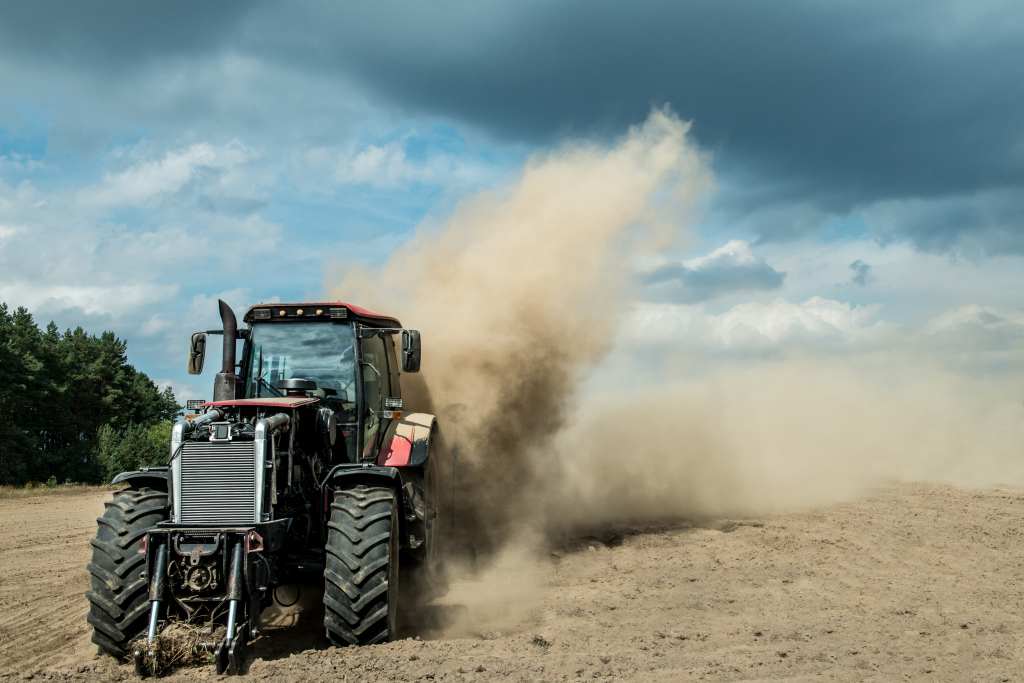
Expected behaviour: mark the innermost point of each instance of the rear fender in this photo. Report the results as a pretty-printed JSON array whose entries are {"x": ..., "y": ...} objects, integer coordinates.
[
  {"x": 153, "y": 477},
  {"x": 407, "y": 441}
]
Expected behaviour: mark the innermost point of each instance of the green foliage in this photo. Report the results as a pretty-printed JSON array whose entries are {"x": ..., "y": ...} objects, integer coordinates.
[
  {"x": 133, "y": 447},
  {"x": 58, "y": 390}
]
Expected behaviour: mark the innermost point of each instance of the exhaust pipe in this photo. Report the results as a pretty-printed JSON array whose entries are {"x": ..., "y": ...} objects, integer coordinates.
[{"x": 224, "y": 382}]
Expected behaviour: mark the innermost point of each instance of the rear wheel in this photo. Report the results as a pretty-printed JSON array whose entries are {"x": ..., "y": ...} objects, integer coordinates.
[
  {"x": 361, "y": 573},
  {"x": 432, "y": 572},
  {"x": 119, "y": 595}
]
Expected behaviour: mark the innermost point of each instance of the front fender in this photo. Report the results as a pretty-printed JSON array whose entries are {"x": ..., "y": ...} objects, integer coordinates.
[
  {"x": 352, "y": 474},
  {"x": 348, "y": 475},
  {"x": 153, "y": 477}
]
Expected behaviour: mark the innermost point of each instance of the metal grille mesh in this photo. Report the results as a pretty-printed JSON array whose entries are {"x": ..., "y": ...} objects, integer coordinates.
[{"x": 218, "y": 483}]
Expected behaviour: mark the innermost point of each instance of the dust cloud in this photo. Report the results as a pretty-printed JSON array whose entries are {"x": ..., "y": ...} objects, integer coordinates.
[
  {"x": 521, "y": 294},
  {"x": 779, "y": 436}
]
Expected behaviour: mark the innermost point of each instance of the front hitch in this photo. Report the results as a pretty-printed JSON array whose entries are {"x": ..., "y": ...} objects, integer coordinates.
[
  {"x": 145, "y": 657},
  {"x": 230, "y": 653},
  {"x": 154, "y": 653}
]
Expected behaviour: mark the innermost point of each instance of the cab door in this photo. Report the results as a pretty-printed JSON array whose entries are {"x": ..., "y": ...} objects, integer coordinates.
[{"x": 375, "y": 386}]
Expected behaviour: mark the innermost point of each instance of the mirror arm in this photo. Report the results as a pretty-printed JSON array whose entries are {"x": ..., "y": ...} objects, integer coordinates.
[{"x": 242, "y": 334}]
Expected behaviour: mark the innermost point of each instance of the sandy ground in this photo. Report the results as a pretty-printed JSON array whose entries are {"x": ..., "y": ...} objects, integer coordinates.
[
  {"x": 915, "y": 582},
  {"x": 44, "y": 547}
]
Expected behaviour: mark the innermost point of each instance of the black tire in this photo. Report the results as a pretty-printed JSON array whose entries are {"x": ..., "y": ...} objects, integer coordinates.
[
  {"x": 119, "y": 599},
  {"x": 361, "y": 573},
  {"x": 433, "y": 576}
]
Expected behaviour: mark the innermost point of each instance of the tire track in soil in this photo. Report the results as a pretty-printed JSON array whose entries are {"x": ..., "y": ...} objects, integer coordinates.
[
  {"x": 44, "y": 547},
  {"x": 918, "y": 581}
]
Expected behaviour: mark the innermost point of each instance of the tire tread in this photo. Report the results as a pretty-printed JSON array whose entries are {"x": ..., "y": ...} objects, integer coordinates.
[
  {"x": 118, "y": 596},
  {"x": 360, "y": 570}
]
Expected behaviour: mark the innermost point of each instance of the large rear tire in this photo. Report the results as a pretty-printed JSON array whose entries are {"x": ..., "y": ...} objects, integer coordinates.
[
  {"x": 119, "y": 598},
  {"x": 432, "y": 576},
  {"x": 361, "y": 573}
]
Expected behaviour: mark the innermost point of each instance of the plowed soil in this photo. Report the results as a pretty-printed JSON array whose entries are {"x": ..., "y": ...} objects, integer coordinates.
[{"x": 914, "y": 582}]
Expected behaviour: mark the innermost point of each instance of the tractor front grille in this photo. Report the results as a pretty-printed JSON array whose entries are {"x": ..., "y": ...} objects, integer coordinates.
[{"x": 218, "y": 483}]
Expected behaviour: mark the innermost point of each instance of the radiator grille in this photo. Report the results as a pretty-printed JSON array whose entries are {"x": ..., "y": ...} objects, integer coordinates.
[{"x": 218, "y": 483}]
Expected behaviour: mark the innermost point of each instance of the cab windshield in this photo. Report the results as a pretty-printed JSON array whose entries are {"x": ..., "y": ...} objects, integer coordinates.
[{"x": 323, "y": 352}]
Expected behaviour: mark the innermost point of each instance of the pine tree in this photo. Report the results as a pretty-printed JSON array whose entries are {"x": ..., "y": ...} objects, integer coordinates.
[{"x": 65, "y": 399}]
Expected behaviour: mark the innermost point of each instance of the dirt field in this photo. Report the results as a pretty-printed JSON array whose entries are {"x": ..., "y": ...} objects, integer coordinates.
[{"x": 915, "y": 582}]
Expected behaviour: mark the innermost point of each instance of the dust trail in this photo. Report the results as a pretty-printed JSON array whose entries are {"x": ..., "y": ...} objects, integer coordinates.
[
  {"x": 519, "y": 295},
  {"x": 779, "y": 436},
  {"x": 500, "y": 595}
]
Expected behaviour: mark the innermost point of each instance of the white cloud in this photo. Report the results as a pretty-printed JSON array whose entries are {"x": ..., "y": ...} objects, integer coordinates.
[
  {"x": 90, "y": 299},
  {"x": 202, "y": 312},
  {"x": 965, "y": 316},
  {"x": 148, "y": 180},
  {"x": 389, "y": 166},
  {"x": 155, "y": 325},
  {"x": 782, "y": 321},
  {"x": 732, "y": 253},
  {"x": 975, "y": 339},
  {"x": 755, "y": 326},
  {"x": 913, "y": 285},
  {"x": 379, "y": 165},
  {"x": 19, "y": 164},
  {"x": 977, "y": 327},
  {"x": 60, "y": 255},
  {"x": 184, "y": 391}
]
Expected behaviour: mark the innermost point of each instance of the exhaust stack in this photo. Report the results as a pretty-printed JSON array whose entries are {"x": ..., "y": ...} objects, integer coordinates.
[{"x": 224, "y": 382}]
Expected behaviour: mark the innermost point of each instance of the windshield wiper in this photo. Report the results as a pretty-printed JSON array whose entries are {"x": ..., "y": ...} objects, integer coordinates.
[{"x": 264, "y": 383}]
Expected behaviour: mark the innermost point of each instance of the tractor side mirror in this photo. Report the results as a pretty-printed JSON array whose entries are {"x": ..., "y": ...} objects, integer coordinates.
[
  {"x": 410, "y": 350},
  {"x": 197, "y": 353}
]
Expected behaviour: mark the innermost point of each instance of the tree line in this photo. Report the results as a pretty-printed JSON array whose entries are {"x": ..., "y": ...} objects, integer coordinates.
[{"x": 72, "y": 408}]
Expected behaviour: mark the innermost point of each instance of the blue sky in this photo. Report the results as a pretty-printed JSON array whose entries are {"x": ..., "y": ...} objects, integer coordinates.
[{"x": 868, "y": 159}]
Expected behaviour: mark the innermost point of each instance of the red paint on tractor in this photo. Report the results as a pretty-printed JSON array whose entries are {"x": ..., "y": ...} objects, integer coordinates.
[
  {"x": 357, "y": 311},
  {"x": 367, "y": 313},
  {"x": 397, "y": 453},
  {"x": 269, "y": 402}
]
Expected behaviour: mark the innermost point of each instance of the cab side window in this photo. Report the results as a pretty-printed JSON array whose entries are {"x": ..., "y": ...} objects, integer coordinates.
[
  {"x": 396, "y": 389},
  {"x": 375, "y": 387}
]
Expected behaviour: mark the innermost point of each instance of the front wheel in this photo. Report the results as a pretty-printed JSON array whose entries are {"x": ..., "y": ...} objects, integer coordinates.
[
  {"x": 361, "y": 573},
  {"x": 119, "y": 595}
]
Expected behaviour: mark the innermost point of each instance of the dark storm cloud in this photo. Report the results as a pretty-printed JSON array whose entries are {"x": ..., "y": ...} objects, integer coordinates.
[
  {"x": 848, "y": 101},
  {"x": 830, "y": 105},
  {"x": 822, "y": 108},
  {"x": 970, "y": 225},
  {"x": 115, "y": 34}
]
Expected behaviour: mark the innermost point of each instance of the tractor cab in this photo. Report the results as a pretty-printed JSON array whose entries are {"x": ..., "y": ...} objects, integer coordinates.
[{"x": 343, "y": 355}]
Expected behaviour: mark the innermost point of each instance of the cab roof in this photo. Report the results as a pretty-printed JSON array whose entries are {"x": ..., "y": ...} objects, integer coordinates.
[{"x": 309, "y": 311}]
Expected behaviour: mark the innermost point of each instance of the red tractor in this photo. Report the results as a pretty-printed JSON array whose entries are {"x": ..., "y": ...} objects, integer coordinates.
[{"x": 306, "y": 465}]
